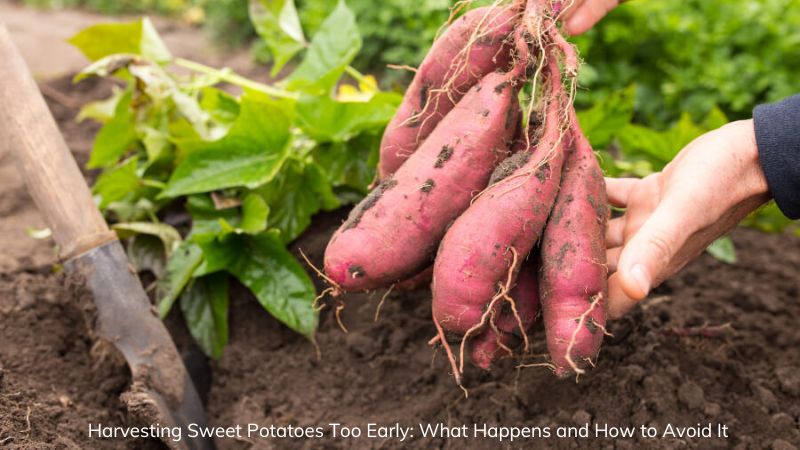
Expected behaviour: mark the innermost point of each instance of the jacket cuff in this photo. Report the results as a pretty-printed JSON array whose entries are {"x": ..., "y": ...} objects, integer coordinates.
[{"x": 777, "y": 128}]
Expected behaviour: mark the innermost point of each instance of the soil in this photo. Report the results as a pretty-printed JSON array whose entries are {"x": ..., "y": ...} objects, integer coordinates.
[{"x": 716, "y": 344}]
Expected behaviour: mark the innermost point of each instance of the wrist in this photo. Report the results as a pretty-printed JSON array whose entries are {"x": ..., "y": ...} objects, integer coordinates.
[{"x": 752, "y": 174}]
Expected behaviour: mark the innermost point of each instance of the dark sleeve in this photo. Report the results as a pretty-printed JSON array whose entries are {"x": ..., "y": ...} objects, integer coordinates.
[{"x": 777, "y": 128}]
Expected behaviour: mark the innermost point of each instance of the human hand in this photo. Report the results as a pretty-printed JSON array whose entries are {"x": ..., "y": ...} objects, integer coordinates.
[
  {"x": 672, "y": 216},
  {"x": 581, "y": 15}
]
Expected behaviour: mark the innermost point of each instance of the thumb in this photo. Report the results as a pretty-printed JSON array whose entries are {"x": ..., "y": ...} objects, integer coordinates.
[
  {"x": 588, "y": 14},
  {"x": 647, "y": 255}
]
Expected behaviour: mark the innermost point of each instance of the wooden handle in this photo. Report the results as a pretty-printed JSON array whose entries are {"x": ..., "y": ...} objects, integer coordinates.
[{"x": 29, "y": 132}]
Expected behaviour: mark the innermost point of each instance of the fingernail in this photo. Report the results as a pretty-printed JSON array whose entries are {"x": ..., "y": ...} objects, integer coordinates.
[{"x": 640, "y": 277}]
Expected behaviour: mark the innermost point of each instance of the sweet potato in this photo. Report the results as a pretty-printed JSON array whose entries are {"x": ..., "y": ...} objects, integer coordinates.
[
  {"x": 492, "y": 237},
  {"x": 572, "y": 280},
  {"x": 472, "y": 47},
  {"x": 495, "y": 341},
  {"x": 392, "y": 234}
]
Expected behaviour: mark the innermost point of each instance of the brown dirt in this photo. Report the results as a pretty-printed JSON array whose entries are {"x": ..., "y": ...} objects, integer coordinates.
[
  {"x": 655, "y": 370},
  {"x": 647, "y": 373}
]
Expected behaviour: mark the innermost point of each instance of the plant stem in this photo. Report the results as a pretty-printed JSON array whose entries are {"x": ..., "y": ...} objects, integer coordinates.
[
  {"x": 358, "y": 76},
  {"x": 234, "y": 79}
]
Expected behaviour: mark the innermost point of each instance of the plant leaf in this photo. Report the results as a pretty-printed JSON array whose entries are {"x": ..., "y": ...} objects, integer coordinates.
[
  {"x": 117, "y": 183},
  {"x": 102, "y": 110},
  {"x": 168, "y": 235},
  {"x": 262, "y": 264},
  {"x": 278, "y": 24},
  {"x": 327, "y": 120},
  {"x": 138, "y": 37},
  {"x": 116, "y": 137},
  {"x": 180, "y": 266},
  {"x": 350, "y": 164},
  {"x": 332, "y": 49},
  {"x": 723, "y": 250},
  {"x": 146, "y": 252},
  {"x": 205, "y": 307},
  {"x": 250, "y": 155},
  {"x": 299, "y": 192},
  {"x": 604, "y": 120},
  {"x": 254, "y": 214}
]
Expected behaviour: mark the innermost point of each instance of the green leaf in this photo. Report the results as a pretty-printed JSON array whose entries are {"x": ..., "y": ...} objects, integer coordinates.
[
  {"x": 299, "y": 192},
  {"x": 206, "y": 218},
  {"x": 116, "y": 183},
  {"x": 102, "y": 110},
  {"x": 205, "y": 307},
  {"x": 715, "y": 119},
  {"x": 660, "y": 147},
  {"x": 254, "y": 214},
  {"x": 146, "y": 252},
  {"x": 275, "y": 277},
  {"x": 350, "y": 164},
  {"x": 180, "y": 266},
  {"x": 277, "y": 23},
  {"x": 768, "y": 219},
  {"x": 250, "y": 155},
  {"x": 723, "y": 250},
  {"x": 332, "y": 49},
  {"x": 327, "y": 120},
  {"x": 116, "y": 137},
  {"x": 168, "y": 235},
  {"x": 156, "y": 143},
  {"x": 221, "y": 106},
  {"x": 636, "y": 139},
  {"x": 138, "y": 37},
  {"x": 107, "y": 66},
  {"x": 604, "y": 120}
]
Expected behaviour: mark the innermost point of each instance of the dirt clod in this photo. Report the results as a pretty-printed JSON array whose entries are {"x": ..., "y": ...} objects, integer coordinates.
[
  {"x": 368, "y": 202},
  {"x": 789, "y": 378},
  {"x": 691, "y": 395},
  {"x": 509, "y": 166}
]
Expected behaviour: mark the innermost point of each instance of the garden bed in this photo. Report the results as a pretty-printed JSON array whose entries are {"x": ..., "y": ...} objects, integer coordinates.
[{"x": 718, "y": 343}]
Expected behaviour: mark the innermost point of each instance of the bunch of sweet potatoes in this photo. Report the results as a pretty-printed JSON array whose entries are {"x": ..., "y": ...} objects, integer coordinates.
[{"x": 509, "y": 208}]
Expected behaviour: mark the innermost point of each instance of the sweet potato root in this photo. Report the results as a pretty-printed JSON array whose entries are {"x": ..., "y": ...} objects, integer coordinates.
[
  {"x": 573, "y": 277},
  {"x": 392, "y": 234},
  {"x": 504, "y": 333},
  {"x": 473, "y": 46},
  {"x": 493, "y": 236}
]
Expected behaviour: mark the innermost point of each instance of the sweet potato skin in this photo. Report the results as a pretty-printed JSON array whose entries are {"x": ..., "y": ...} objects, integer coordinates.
[
  {"x": 392, "y": 234},
  {"x": 486, "y": 347},
  {"x": 427, "y": 99},
  {"x": 572, "y": 281},
  {"x": 493, "y": 236}
]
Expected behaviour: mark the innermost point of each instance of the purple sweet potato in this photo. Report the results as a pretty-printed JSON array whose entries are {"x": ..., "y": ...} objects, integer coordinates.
[
  {"x": 572, "y": 280},
  {"x": 392, "y": 234},
  {"x": 491, "y": 239},
  {"x": 492, "y": 343},
  {"x": 473, "y": 46}
]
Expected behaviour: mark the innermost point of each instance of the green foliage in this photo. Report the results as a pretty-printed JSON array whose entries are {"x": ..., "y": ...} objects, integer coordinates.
[
  {"x": 250, "y": 170},
  {"x": 394, "y": 32},
  {"x": 659, "y": 73},
  {"x": 118, "y": 6},
  {"x": 693, "y": 56}
]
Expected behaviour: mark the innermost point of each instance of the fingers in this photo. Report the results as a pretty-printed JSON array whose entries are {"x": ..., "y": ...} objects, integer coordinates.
[
  {"x": 648, "y": 253},
  {"x": 612, "y": 259},
  {"x": 619, "y": 190},
  {"x": 584, "y": 16},
  {"x": 619, "y": 303},
  {"x": 615, "y": 232}
]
